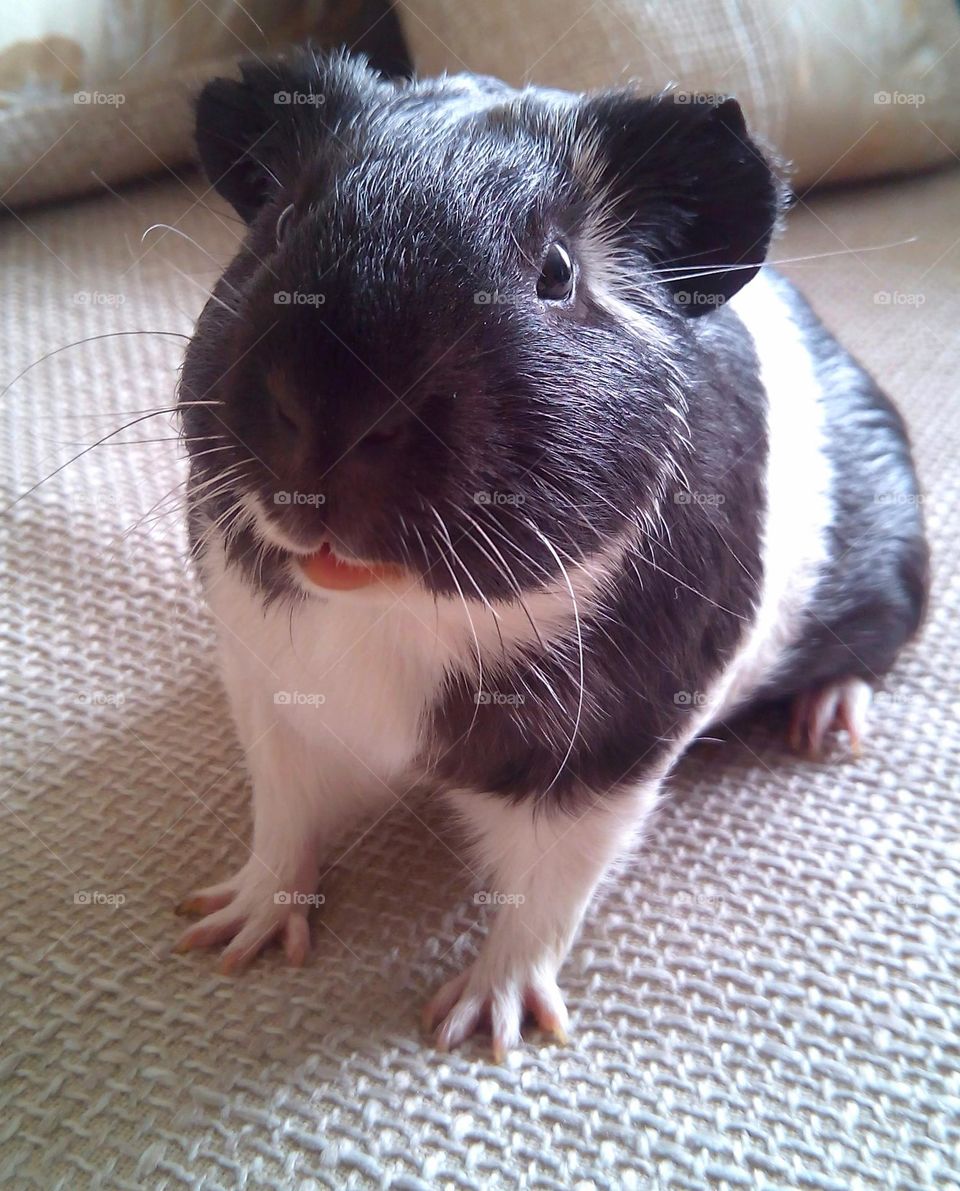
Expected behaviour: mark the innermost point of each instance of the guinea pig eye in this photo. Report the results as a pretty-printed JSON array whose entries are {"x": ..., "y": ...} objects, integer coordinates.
[
  {"x": 556, "y": 275},
  {"x": 283, "y": 222}
]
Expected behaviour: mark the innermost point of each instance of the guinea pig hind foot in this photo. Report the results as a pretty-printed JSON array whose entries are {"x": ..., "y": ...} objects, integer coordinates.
[{"x": 841, "y": 705}]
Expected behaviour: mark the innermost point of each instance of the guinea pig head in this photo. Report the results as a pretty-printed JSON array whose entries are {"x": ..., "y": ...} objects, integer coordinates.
[{"x": 454, "y": 336}]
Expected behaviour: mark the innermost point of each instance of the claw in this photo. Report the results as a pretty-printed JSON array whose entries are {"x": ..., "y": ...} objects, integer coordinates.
[
  {"x": 245, "y": 915},
  {"x": 474, "y": 999},
  {"x": 203, "y": 903},
  {"x": 841, "y": 705}
]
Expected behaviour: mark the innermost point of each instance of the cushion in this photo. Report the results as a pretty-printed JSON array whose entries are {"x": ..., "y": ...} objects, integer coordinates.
[
  {"x": 841, "y": 88},
  {"x": 99, "y": 91}
]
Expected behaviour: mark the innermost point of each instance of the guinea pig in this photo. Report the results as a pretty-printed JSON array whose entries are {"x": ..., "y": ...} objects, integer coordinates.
[{"x": 512, "y": 471}]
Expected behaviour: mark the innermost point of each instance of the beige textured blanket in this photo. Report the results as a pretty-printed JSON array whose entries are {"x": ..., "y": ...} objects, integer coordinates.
[{"x": 767, "y": 996}]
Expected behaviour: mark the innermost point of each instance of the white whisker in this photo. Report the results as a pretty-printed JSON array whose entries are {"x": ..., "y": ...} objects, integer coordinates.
[{"x": 576, "y": 615}]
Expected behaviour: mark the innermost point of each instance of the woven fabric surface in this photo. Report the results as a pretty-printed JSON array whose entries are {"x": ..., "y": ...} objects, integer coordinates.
[{"x": 765, "y": 995}]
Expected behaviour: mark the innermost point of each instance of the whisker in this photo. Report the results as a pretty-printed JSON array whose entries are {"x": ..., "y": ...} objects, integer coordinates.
[
  {"x": 79, "y": 343},
  {"x": 707, "y": 271},
  {"x": 80, "y": 454},
  {"x": 576, "y": 615},
  {"x": 225, "y": 479},
  {"x": 466, "y": 571},
  {"x": 503, "y": 568},
  {"x": 190, "y": 240},
  {"x": 113, "y": 413},
  {"x": 231, "y": 515},
  {"x": 466, "y": 608}
]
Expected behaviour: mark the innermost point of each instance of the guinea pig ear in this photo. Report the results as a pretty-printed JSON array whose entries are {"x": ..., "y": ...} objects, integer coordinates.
[
  {"x": 252, "y": 133},
  {"x": 688, "y": 189},
  {"x": 232, "y": 119}
]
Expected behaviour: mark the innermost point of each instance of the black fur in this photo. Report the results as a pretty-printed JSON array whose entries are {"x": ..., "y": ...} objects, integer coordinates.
[
  {"x": 446, "y": 419},
  {"x": 679, "y": 605}
]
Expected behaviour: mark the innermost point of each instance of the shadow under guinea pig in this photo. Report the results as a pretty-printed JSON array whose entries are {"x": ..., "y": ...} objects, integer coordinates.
[{"x": 399, "y": 914}]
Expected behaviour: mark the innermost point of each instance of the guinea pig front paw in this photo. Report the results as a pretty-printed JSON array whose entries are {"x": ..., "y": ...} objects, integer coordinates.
[
  {"x": 480, "y": 999},
  {"x": 247, "y": 912}
]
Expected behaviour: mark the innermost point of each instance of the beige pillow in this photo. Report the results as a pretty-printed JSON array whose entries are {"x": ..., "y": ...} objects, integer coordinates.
[
  {"x": 102, "y": 89},
  {"x": 842, "y": 88}
]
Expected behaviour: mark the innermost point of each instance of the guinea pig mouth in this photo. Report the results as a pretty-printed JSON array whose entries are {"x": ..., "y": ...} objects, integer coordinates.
[
  {"x": 325, "y": 569},
  {"x": 321, "y": 562}
]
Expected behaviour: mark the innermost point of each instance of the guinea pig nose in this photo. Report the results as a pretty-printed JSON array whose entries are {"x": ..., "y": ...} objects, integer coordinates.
[
  {"x": 384, "y": 431},
  {"x": 285, "y": 407},
  {"x": 379, "y": 436}
]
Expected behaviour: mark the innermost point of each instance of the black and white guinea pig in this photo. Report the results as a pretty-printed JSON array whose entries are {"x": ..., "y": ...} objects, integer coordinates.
[{"x": 511, "y": 473}]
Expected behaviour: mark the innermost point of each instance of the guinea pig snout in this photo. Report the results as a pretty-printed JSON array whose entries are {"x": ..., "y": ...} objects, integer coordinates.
[
  {"x": 343, "y": 446},
  {"x": 324, "y": 429}
]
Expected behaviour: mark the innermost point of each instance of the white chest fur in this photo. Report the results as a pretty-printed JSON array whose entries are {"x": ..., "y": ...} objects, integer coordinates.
[
  {"x": 364, "y": 668},
  {"x": 360, "y": 670}
]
